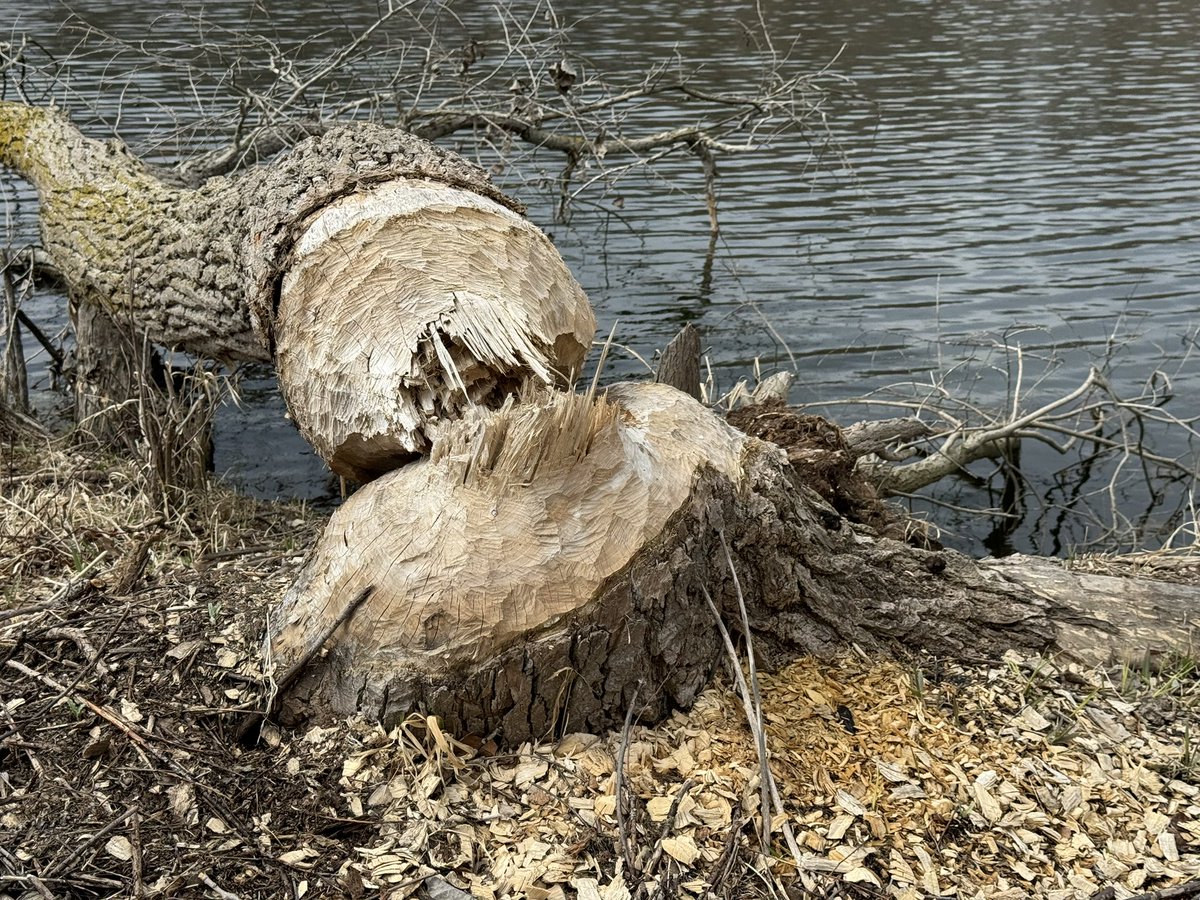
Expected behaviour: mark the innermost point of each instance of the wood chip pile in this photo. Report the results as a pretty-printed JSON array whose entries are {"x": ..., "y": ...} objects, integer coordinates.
[{"x": 123, "y": 682}]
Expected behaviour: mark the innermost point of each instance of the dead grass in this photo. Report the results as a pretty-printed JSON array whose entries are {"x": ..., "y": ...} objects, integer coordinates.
[{"x": 129, "y": 644}]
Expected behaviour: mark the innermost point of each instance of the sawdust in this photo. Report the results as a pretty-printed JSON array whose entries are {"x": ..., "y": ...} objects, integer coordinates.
[{"x": 129, "y": 646}]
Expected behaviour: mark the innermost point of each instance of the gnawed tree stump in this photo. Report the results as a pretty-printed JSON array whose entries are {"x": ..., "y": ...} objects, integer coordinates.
[{"x": 549, "y": 558}]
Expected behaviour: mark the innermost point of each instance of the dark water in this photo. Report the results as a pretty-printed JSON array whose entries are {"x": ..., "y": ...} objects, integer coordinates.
[{"x": 1003, "y": 173}]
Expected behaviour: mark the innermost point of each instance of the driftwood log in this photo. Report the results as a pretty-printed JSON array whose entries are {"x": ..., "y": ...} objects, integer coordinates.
[{"x": 523, "y": 559}]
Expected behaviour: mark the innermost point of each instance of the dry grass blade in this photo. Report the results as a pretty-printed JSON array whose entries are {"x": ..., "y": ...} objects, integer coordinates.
[
  {"x": 768, "y": 793},
  {"x": 623, "y": 805},
  {"x": 176, "y": 421}
]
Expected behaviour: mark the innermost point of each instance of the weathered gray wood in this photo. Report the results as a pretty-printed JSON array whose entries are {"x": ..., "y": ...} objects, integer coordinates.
[
  {"x": 878, "y": 438},
  {"x": 14, "y": 385},
  {"x": 106, "y": 375},
  {"x": 1105, "y": 619},
  {"x": 680, "y": 363}
]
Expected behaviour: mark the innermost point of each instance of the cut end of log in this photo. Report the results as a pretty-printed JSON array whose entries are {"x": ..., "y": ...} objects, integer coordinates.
[{"x": 408, "y": 306}]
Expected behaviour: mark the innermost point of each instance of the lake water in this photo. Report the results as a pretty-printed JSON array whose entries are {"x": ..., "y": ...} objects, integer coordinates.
[{"x": 1018, "y": 172}]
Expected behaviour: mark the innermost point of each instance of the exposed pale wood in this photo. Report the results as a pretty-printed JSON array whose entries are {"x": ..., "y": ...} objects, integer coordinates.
[
  {"x": 405, "y": 306},
  {"x": 199, "y": 268},
  {"x": 550, "y": 556},
  {"x": 513, "y": 528},
  {"x": 411, "y": 288},
  {"x": 772, "y": 389},
  {"x": 547, "y": 556}
]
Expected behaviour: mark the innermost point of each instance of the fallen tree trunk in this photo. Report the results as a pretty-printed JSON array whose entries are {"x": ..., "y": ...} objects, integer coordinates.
[
  {"x": 450, "y": 298},
  {"x": 526, "y": 560},
  {"x": 1109, "y": 619}
]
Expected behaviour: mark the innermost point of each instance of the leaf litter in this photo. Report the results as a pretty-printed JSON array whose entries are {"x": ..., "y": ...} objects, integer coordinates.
[{"x": 120, "y": 772}]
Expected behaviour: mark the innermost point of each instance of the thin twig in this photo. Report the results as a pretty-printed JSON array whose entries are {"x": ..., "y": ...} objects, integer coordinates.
[
  {"x": 216, "y": 888},
  {"x": 60, "y": 866},
  {"x": 755, "y": 699},
  {"x": 139, "y": 888},
  {"x": 289, "y": 677},
  {"x": 143, "y": 744},
  {"x": 646, "y": 868},
  {"x": 40, "y": 336},
  {"x": 622, "y": 810}
]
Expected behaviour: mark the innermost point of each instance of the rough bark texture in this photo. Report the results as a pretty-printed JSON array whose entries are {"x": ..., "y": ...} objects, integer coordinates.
[
  {"x": 106, "y": 375},
  {"x": 520, "y": 606},
  {"x": 194, "y": 268},
  {"x": 164, "y": 259},
  {"x": 548, "y": 559},
  {"x": 680, "y": 363},
  {"x": 1106, "y": 619},
  {"x": 823, "y": 459}
]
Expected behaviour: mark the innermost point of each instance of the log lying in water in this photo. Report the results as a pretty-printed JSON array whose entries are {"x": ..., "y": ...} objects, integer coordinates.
[{"x": 419, "y": 313}]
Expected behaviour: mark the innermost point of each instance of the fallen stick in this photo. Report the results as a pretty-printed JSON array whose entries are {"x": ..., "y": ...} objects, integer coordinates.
[{"x": 62, "y": 864}]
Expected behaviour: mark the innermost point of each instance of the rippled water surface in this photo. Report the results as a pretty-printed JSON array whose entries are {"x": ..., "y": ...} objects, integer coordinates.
[{"x": 1017, "y": 171}]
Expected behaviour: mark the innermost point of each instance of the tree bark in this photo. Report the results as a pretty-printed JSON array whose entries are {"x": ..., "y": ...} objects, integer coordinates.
[
  {"x": 680, "y": 362},
  {"x": 521, "y": 607},
  {"x": 1131, "y": 620},
  {"x": 143, "y": 251},
  {"x": 106, "y": 376},
  {"x": 14, "y": 385},
  {"x": 516, "y": 605}
]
